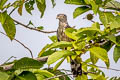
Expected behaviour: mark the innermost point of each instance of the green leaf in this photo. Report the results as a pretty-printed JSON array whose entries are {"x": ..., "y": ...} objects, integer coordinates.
[
  {"x": 8, "y": 25},
  {"x": 97, "y": 76},
  {"x": 114, "y": 5},
  {"x": 93, "y": 58},
  {"x": 98, "y": 1},
  {"x": 99, "y": 53},
  {"x": 109, "y": 20},
  {"x": 43, "y": 50},
  {"x": 41, "y": 6},
  {"x": 58, "y": 55},
  {"x": 96, "y": 25},
  {"x": 105, "y": 18},
  {"x": 29, "y": 6},
  {"x": 88, "y": 32},
  {"x": 47, "y": 53},
  {"x": 70, "y": 33},
  {"x": 61, "y": 44},
  {"x": 82, "y": 77},
  {"x": 27, "y": 75},
  {"x": 58, "y": 64},
  {"x": 107, "y": 46},
  {"x": 76, "y": 2},
  {"x": 53, "y": 3},
  {"x": 40, "y": 77},
  {"x": 44, "y": 73},
  {"x": 80, "y": 10},
  {"x": 95, "y": 7},
  {"x": 3, "y": 76},
  {"x": 40, "y": 27},
  {"x": 2, "y": 2},
  {"x": 100, "y": 77},
  {"x": 53, "y": 38},
  {"x": 59, "y": 72},
  {"x": 116, "y": 54},
  {"x": 26, "y": 63}
]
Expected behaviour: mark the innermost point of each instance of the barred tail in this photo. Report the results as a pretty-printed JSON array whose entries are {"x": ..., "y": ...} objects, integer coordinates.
[{"x": 76, "y": 68}]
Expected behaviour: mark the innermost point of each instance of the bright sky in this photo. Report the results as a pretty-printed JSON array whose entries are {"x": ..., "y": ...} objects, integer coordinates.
[{"x": 36, "y": 40}]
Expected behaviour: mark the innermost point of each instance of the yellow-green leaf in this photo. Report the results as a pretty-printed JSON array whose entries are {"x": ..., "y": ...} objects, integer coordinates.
[
  {"x": 76, "y": 2},
  {"x": 58, "y": 64},
  {"x": 60, "y": 44},
  {"x": 58, "y": 55},
  {"x": 8, "y": 25},
  {"x": 99, "y": 53}
]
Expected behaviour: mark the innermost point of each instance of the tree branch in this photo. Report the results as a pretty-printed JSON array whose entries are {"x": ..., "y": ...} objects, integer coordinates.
[
  {"x": 57, "y": 76},
  {"x": 31, "y": 28},
  {"x": 20, "y": 43}
]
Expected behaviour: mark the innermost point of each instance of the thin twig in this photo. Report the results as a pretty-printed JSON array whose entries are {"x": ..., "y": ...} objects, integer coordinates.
[
  {"x": 106, "y": 68},
  {"x": 57, "y": 76},
  {"x": 31, "y": 28},
  {"x": 20, "y": 43},
  {"x": 109, "y": 68},
  {"x": 12, "y": 11},
  {"x": 9, "y": 59}
]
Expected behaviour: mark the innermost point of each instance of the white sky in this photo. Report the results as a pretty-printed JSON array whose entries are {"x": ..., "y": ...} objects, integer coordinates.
[{"x": 36, "y": 40}]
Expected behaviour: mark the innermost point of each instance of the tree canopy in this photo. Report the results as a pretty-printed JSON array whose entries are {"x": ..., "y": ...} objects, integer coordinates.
[{"x": 97, "y": 39}]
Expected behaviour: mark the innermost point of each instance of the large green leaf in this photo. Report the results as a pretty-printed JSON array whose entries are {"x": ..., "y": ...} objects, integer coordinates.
[
  {"x": 41, "y": 4},
  {"x": 109, "y": 20},
  {"x": 8, "y": 25},
  {"x": 26, "y": 63},
  {"x": 2, "y": 2},
  {"x": 76, "y": 2},
  {"x": 116, "y": 54},
  {"x": 106, "y": 18},
  {"x": 99, "y": 53},
  {"x": 4, "y": 76},
  {"x": 25, "y": 75},
  {"x": 58, "y": 55},
  {"x": 70, "y": 33},
  {"x": 61, "y": 44},
  {"x": 80, "y": 10},
  {"x": 88, "y": 32}
]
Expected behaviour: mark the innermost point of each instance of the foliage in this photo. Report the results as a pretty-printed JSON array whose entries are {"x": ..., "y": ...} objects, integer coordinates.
[{"x": 89, "y": 39}]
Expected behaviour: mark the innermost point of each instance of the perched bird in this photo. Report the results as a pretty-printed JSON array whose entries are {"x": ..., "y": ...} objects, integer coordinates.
[{"x": 63, "y": 24}]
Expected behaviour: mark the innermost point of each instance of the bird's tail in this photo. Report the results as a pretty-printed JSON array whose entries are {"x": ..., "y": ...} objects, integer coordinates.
[{"x": 76, "y": 68}]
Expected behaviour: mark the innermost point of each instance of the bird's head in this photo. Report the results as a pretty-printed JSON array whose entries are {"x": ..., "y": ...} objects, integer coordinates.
[{"x": 61, "y": 17}]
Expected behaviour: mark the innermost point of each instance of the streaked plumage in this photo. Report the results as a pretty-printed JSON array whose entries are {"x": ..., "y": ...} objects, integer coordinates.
[{"x": 63, "y": 24}]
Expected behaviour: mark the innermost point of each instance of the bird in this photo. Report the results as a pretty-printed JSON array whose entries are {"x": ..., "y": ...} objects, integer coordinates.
[{"x": 76, "y": 68}]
